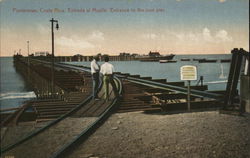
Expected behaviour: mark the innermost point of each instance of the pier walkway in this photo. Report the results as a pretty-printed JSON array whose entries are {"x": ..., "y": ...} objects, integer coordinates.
[{"x": 65, "y": 114}]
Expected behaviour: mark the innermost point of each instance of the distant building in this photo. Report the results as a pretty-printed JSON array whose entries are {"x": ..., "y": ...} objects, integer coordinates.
[
  {"x": 77, "y": 57},
  {"x": 124, "y": 54},
  {"x": 154, "y": 54},
  {"x": 135, "y": 55},
  {"x": 41, "y": 53}
]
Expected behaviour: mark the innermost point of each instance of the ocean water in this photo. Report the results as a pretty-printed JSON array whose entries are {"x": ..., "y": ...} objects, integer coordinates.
[
  {"x": 13, "y": 89},
  {"x": 214, "y": 74}
]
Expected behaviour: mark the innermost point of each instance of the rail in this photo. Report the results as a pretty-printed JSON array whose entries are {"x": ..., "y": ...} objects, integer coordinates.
[
  {"x": 91, "y": 128},
  {"x": 11, "y": 146},
  {"x": 179, "y": 89},
  {"x": 158, "y": 85},
  {"x": 84, "y": 134}
]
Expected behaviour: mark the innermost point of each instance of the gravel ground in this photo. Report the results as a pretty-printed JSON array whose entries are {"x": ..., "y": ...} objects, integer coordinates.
[
  {"x": 46, "y": 143},
  {"x": 186, "y": 135},
  {"x": 12, "y": 134}
]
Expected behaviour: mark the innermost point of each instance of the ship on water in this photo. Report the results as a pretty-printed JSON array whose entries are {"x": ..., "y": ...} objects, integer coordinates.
[{"x": 155, "y": 56}]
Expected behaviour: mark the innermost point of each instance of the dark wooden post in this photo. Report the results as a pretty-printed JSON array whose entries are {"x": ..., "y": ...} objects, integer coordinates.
[{"x": 233, "y": 77}]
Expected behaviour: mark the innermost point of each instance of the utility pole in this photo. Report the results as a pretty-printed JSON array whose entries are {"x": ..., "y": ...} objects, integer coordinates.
[
  {"x": 28, "y": 49},
  {"x": 53, "y": 55}
]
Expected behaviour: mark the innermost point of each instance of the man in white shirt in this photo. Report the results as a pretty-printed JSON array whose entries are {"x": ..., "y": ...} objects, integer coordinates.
[
  {"x": 107, "y": 71},
  {"x": 95, "y": 68}
]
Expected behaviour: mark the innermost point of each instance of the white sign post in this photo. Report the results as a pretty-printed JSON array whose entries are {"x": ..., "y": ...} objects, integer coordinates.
[{"x": 188, "y": 73}]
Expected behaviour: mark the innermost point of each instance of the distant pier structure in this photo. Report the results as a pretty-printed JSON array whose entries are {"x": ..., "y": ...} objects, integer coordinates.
[{"x": 80, "y": 58}]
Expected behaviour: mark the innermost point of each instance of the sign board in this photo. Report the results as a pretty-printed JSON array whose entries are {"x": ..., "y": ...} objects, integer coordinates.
[{"x": 188, "y": 72}]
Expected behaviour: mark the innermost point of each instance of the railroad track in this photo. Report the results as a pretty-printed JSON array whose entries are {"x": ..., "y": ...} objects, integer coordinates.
[
  {"x": 140, "y": 94},
  {"x": 90, "y": 114},
  {"x": 45, "y": 111},
  {"x": 145, "y": 94},
  {"x": 149, "y": 95}
]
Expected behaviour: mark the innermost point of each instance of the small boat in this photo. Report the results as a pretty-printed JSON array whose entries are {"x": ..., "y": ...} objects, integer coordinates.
[
  {"x": 225, "y": 60},
  {"x": 195, "y": 59},
  {"x": 167, "y": 61},
  {"x": 208, "y": 61},
  {"x": 185, "y": 59}
]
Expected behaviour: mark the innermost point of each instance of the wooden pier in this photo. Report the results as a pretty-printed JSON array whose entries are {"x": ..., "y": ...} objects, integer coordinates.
[{"x": 65, "y": 114}]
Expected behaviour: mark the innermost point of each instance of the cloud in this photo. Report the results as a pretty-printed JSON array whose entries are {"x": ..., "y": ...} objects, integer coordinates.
[
  {"x": 97, "y": 36},
  {"x": 149, "y": 36},
  {"x": 43, "y": 29},
  {"x": 222, "y": 35},
  {"x": 187, "y": 37},
  {"x": 205, "y": 36},
  {"x": 74, "y": 43}
]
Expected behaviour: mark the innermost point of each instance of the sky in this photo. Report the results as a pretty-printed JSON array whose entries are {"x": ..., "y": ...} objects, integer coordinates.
[{"x": 88, "y": 27}]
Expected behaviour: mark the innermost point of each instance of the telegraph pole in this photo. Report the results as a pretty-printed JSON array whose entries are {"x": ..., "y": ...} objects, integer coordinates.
[
  {"x": 53, "y": 55},
  {"x": 28, "y": 49}
]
